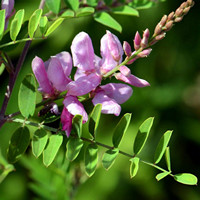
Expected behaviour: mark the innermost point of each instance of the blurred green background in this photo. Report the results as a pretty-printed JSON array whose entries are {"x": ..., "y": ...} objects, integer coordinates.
[{"x": 173, "y": 99}]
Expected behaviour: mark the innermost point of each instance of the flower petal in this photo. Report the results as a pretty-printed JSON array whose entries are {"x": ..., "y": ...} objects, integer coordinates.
[
  {"x": 66, "y": 120},
  {"x": 118, "y": 91},
  {"x": 8, "y": 5},
  {"x": 74, "y": 107},
  {"x": 83, "y": 85},
  {"x": 41, "y": 75},
  {"x": 66, "y": 62},
  {"x": 83, "y": 52},
  {"x": 132, "y": 80},
  {"x": 109, "y": 106},
  {"x": 56, "y": 74},
  {"x": 108, "y": 62}
]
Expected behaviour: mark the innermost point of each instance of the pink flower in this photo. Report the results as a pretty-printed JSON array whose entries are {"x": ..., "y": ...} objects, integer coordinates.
[
  {"x": 52, "y": 75},
  {"x": 71, "y": 108}
]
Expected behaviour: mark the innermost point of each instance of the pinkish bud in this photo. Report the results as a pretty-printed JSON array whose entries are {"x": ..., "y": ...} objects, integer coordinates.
[
  {"x": 189, "y": 2},
  {"x": 144, "y": 42},
  {"x": 125, "y": 71},
  {"x": 160, "y": 37},
  {"x": 158, "y": 29},
  {"x": 186, "y": 10},
  {"x": 163, "y": 20},
  {"x": 170, "y": 16},
  {"x": 178, "y": 19},
  {"x": 113, "y": 46},
  {"x": 169, "y": 25},
  {"x": 183, "y": 5},
  {"x": 145, "y": 53},
  {"x": 179, "y": 12},
  {"x": 127, "y": 48},
  {"x": 137, "y": 41}
]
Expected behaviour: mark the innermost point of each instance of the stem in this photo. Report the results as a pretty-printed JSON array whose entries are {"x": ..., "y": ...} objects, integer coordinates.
[{"x": 40, "y": 125}]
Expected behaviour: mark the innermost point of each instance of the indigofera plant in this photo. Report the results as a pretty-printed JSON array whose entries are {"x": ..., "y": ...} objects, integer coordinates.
[{"x": 57, "y": 82}]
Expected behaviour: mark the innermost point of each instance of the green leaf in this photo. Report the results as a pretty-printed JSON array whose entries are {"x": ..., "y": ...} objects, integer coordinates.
[
  {"x": 108, "y": 2},
  {"x": 167, "y": 158},
  {"x": 186, "y": 178},
  {"x": 134, "y": 166},
  {"x": 54, "y": 26},
  {"x": 18, "y": 144},
  {"x": 142, "y": 135},
  {"x": 120, "y": 129},
  {"x": 43, "y": 24},
  {"x": 162, "y": 145},
  {"x": 105, "y": 19},
  {"x": 144, "y": 4},
  {"x": 51, "y": 149},
  {"x": 84, "y": 11},
  {"x": 16, "y": 24},
  {"x": 74, "y": 146},
  {"x": 72, "y": 4},
  {"x": 125, "y": 10},
  {"x": 94, "y": 119},
  {"x": 109, "y": 158},
  {"x": 68, "y": 14},
  {"x": 93, "y": 3},
  {"x": 91, "y": 159},
  {"x": 162, "y": 175},
  {"x": 2, "y": 67},
  {"x": 39, "y": 142},
  {"x": 34, "y": 22},
  {"x": 27, "y": 96},
  {"x": 2, "y": 23},
  {"x": 53, "y": 5},
  {"x": 77, "y": 123}
]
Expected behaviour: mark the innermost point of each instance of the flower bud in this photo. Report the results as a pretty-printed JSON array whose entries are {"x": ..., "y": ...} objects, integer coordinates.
[
  {"x": 137, "y": 41},
  {"x": 163, "y": 20},
  {"x": 145, "y": 53},
  {"x": 189, "y": 2},
  {"x": 179, "y": 12},
  {"x": 160, "y": 37},
  {"x": 144, "y": 42},
  {"x": 125, "y": 71},
  {"x": 183, "y": 5},
  {"x": 178, "y": 19},
  {"x": 186, "y": 10},
  {"x": 169, "y": 25},
  {"x": 170, "y": 16},
  {"x": 158, "y": 29},
  {"x": 127, "y": 48}
]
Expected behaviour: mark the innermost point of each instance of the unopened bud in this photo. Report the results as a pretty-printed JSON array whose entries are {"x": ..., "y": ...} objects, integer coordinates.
[
  {"x": 169, "y": 25},
  {"x": 158, "y": 29},
  {"x": 183, "y": 5},
  {"x": 144, "y": 53},
  {"x": 186, "y": 10},
  {"x": 179, "y": 12},
  {"x": 125, "y": 71},
  {"x": 163, "y": 20},
  {"x": 170, "y": 16},
  {"x": 190, "y": 2},
  {"x": 113, "y": 46},
  {"x": 127, "y": 48},
  {"x": 144, "y": 42},
  {"x": 178, "y": 19},
  {"x": 137, "y": 41},
  {"x": 160, "y": 37}
]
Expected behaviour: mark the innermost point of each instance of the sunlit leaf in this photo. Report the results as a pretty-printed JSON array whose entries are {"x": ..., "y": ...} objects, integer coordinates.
[
  {"x": 43, "y": 24},
  {"x": 125, "y": 10},
  {"x": 109, "y": 158},
  {"x": 53, "y": 5},
  {"x": 2, "y": 67},
  {"x": 72, "y": 4},
  {"x": 162, "y": 175},
  {"x": 92, "y": 2},
  {"x": 120, "y": 129},
  {"x": 18, "y": 144},
  {"x": 54, "y": 26},
  {"x": 27, "y": 96},
  {"x": 74, "y": 146},
  {"x": 39, "y": 142},
  {"x": 34, "y": 22},
  {"x": 77, "y": 123},
  {"x": 105, "y": 19},
  {"x": 167, "y": 158},
  {"x": 94, "y": 119},
  {"x": 51, "y": 149},
  {"x": 186, "y": 178},
  {"x": 68, "y": 14},
  {"x": 84, "y": 11},
  {"x": 142, "y": 135},
  {"x": 91, "y": 159},
  {"x": 2, "y": 22},
  {"x": 162, "y": 145},
  {"x": 16, "y": 24},
  {"x": 134, "y": 166},
  {"x": 144, "y": 4}
]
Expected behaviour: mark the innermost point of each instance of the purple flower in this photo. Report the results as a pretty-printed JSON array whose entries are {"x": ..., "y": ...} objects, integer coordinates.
[
  {"x": 52, "y": 75},
  {"x": 71, "y": 108},
  {"x": 8, "y": 5}
]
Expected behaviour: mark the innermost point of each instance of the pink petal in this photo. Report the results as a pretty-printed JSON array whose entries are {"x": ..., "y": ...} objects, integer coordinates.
[
  {"x": 41, "y": 75},
  {"x": 66, "y": 62},
  {"x": 83, "y": 52},
  {"x": 132, "y": 80},
  {"x": 56, "y": 74},
  {"x": 118, "y": 91},
  {"x": 127, "y": 48},
  {"x": 109, "y": 106},
  {"x": 74, "y": 107},
  {"x": 83, "y": 85},
  {"x": 125, "y": 70},
  {"x": 66, "y": 120},
  {"x": 8, "y": 5},
  {"x": 108, "y": 62}
]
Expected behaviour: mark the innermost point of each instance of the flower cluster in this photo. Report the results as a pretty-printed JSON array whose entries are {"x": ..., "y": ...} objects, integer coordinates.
[{"x": 53, "y": 75}]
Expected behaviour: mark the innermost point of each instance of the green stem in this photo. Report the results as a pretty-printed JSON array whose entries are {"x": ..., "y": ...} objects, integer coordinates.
[{"x": 19, "y": 41}]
